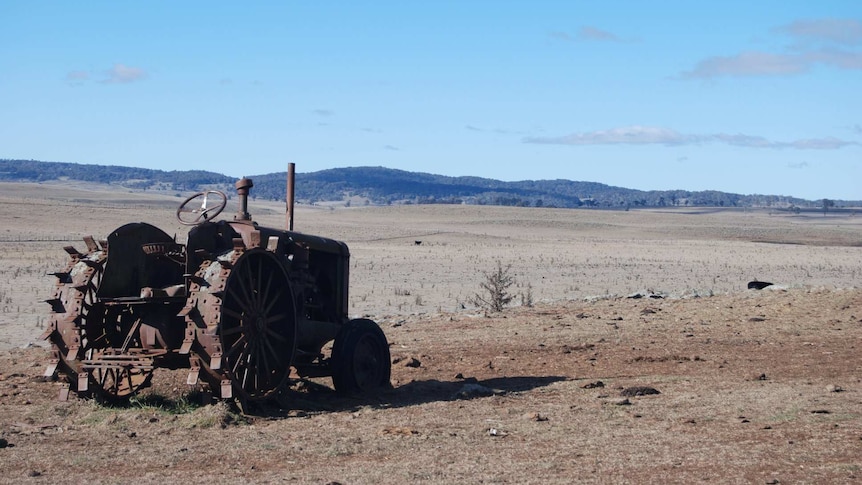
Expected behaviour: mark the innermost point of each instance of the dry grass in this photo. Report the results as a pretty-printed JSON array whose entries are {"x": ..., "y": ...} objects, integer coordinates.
[{"x": 747, "y": 378}]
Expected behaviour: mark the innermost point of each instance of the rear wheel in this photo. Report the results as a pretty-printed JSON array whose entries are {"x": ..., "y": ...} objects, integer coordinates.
[{"x": 360, "y": 358}]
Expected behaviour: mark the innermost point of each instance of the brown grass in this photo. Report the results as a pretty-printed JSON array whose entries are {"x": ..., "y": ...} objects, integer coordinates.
[{"x": 748, "y": 379}]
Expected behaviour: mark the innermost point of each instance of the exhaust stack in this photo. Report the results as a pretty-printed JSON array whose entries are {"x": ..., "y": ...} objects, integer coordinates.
[{"x": 291, "y": 179}]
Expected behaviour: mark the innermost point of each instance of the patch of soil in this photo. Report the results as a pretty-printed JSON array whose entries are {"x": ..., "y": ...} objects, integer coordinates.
[{"x": 543, "y": 418}]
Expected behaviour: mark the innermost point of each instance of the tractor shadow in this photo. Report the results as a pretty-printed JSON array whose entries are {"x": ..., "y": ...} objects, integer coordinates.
[{"x": 308, "y": 397}]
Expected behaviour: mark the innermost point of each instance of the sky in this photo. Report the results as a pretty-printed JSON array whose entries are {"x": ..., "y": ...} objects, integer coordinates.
[{"x": 738, "y": 96}]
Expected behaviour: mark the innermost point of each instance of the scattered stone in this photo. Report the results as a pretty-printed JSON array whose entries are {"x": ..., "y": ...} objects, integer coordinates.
[
  {"x": 399, "y": 431},
  {"x": 497, "y": 433},
  {"x": 756, "y": 319},
  {"x": 834, "y": 388},
  {"x": 821, "y": 411},
  {"x": 459, "y": 376},
  {"x": 593, "y": 385},
  {"x": 34, "y": 474},
  {"x": 639, "y": 391},
  {"x": 535, "y": 416},
  {"x": 645, "y": 294},
  {"x": 3, "y": 443},
  {"x": 407, "y": 361},
  {"x": 624, "y": 402},
  {"x": 761, "y": 377}
]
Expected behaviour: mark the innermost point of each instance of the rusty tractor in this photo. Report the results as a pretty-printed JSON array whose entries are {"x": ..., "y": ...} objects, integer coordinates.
[{"x": 245, "y": 308}]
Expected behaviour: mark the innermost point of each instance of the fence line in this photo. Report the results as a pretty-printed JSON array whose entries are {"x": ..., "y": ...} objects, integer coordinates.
[{"x": 17, "y": 239}]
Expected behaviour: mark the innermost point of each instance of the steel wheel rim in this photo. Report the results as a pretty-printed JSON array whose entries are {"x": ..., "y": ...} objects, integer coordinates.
[
  {"x": 367, "y": 369},
  {"x": 258, "y": 325}
]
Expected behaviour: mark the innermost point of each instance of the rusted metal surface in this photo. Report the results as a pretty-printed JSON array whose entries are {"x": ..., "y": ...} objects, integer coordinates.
[{"x": 238, "y": 305}]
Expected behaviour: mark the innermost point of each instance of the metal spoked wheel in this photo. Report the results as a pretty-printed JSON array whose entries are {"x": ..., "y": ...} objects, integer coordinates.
[
  {"x": 76, "y": 315},
  {"x": 258, "y": 325},
  {"x": 360, "y": 358}
]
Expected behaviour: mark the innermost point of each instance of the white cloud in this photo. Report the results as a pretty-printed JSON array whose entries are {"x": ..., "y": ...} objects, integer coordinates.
[
  {"x": 827, "y": 42},
  {"x": 587, "y": 33},
  {"x": 628, "y": 135},
  {"x": 561, "y": 36},
  {"x": 123, "y": 74},
  {"x": 748, "y": 64},
  {"x": 592, "y": 33},
  {"x": 77, "y": 76},
  {"x": 838, "y": 31},
  {"x": 649, "y": 135}
]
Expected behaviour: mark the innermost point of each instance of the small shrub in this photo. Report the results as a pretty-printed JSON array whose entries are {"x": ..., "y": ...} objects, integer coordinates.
[{"x": 495, "y": 289}]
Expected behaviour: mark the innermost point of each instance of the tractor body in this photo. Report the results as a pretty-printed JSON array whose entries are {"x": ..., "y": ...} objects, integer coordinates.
[{"x": 244, "y": 308}]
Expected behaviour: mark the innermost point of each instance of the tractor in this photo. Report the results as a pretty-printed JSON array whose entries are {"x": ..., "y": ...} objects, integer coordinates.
[{"x": 246, "y": 309}]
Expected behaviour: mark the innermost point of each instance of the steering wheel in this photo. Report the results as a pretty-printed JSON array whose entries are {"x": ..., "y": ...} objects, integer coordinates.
[{"x": 212, "y": 204}]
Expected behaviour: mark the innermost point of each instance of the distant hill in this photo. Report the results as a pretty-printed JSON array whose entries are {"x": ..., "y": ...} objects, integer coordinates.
[{"x": 382, "y": 186}]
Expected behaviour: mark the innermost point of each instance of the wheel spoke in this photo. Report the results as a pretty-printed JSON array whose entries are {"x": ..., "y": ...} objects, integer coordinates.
[
  {"x": 245, "y": 297},
  {"x": 272, "y": 333},
  {"x": 266, "y": 287},
  {"x": 273, "y": 302}
]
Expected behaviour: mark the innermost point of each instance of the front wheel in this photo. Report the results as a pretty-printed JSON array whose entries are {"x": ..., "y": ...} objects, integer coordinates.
[{"x": 360, "y": 358}]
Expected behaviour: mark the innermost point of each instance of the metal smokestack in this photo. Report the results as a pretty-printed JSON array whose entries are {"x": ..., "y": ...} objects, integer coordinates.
[{"x": 291, "y": 179}]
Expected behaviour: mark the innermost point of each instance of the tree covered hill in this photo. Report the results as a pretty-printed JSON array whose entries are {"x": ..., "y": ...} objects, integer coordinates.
[{"x": 378, "y": 185}]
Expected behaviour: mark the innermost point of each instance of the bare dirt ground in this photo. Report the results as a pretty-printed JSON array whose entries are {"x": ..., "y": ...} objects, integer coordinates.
[{"x": 754, "y": 386}]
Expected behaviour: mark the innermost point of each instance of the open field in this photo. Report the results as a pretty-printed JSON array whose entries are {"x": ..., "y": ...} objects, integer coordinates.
[{"x": 755, "y": 386}]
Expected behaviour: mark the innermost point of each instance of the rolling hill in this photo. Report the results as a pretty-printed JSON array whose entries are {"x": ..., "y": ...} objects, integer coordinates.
[{"x": 381, "y": 186}]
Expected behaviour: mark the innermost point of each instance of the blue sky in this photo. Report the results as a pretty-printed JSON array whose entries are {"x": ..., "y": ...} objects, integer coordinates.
[{"x": 747, "y": 97}]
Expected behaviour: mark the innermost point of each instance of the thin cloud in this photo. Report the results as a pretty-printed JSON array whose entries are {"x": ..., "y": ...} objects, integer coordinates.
[
  {"x": 797, "y": 166},
  {"x": 324, "y": 113},
  {"x": 836, "y": 58},
  {"x": 587, "y": 34},
  {"x": 628, "y": 135},
  {"x": 649, "y": 135},
  {"x": 592, "y": 33},
  {"x": 391, "y": 148},
  {"x": 839, "y": 31},
  {"x": 123, "y": 74},
  {"x": 748, "y": 64},
  {"x": 77, "y": 78},
  {"x": 826, "y": 42}
]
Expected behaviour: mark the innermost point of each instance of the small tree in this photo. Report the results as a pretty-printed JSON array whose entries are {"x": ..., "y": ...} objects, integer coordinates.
[{"x": 495, "y": 295}]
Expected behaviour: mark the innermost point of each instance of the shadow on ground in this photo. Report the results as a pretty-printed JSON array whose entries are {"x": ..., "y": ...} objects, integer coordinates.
[{"x": 309, "y": 397}]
